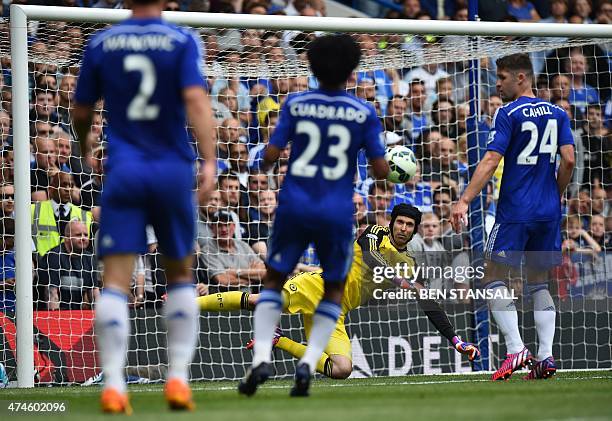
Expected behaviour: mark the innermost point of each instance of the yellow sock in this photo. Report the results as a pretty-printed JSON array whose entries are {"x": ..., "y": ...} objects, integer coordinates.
[
  {"x": 224, "y": 301},
  {"x": 324, "y": 366}
]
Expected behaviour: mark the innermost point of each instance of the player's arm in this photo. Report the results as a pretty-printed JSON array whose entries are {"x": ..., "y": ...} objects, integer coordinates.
[
  {"x": 82, "y": 116},
  {"x": 200, "y": 116},
  {"x": 437, "y": 316},
  {"x": 566, "y": 167},
  {"x": 374, "y": 145},
  {"x": 271, "y": 155},
  {"x": 380, "y": 168},
  {"x": 499, "y": 139},
  {"x": 482, "y": 175}
]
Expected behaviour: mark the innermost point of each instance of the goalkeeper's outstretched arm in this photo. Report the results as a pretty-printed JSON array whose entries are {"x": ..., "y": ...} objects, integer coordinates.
[{"x": 437, "y": 316}]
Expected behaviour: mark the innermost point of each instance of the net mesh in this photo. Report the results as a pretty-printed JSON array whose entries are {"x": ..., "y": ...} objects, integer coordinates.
[{"x": 419, "y": 86}]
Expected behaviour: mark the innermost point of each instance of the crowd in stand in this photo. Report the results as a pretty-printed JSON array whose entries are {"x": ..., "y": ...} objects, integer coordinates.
[{"x": 424, "y": 108}]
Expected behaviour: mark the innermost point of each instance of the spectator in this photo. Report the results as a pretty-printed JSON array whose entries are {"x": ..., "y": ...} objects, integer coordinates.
[
  {"x": 560, "y": 87},
  {"x": 44, "y": 108},
  {"x": 583, "y": 8},
  {"x": 443, "y": 165},
  {"x": 229, "y": 187},
  {"x": 410, "y": 9},
  {"x": 598, "y": 145},
  {"x": 7, "y": 100},
  {"x": 228, "y": 133},
  {"x": 45, "y": 161},
  {"x": 360, "y": 208},
  {"x": 443, "y": 197},
  {"x": 229, "y": 262},
  {"x": 418, "y": 118},
  {"x": 5, "y": 129},
  {"x": 225, "y": 104},
  {"x": 424, "y": 147},
  {"x": 599, "y": 202},
  {"x": 494, "y": 103},
  {"x": 523, "y": 10},
  {"x": 380, "y": 194},
  {"x": 581, "y": 94},
  {"x": 581, "y": 242},
  {"x": 50, "y": 217},
  {"x": 7, "y": 195},
  {"x": 429, "y": 250},
  {"x": 7, "y": 265},
  {"x": 604, "y": 13},
  {"x": 239, "y": 162},
  {"x": 207, "y": 209},
  {"x": 64, "y": 149},
  {"x": 257, "y": 230},
  {"x": 7, "y": 168},
  {"x": 91, "y": 189},
  {"x": 558, "y": 12},
  {"x": 257, "y": 182},
  {"x": 68, "y": 270},
  {"x": 443, "y": 116},
  {"x": 429, "y": 74},
  {"x": 396, "y": 119},
  {"x": 599, "y": 234}
]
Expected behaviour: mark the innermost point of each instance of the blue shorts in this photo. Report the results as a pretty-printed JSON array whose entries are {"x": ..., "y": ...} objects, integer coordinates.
[
  {"x": 539, "y": 243},
  {"x": 158, "y": 193},
  {"x": 291, "y": 235}
]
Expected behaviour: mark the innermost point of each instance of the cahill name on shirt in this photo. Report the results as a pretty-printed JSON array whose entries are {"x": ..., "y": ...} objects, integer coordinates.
[{"x": 537, "y": 111}]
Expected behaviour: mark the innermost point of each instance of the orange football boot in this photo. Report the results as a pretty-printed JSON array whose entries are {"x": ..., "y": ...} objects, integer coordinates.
[
  {"x": 114, "y": 402},
  {"x": 178, "y": 395}
]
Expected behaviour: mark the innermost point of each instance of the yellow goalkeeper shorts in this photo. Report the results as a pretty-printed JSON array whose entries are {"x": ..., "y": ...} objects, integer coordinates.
[{"x": 302, "y": 294}]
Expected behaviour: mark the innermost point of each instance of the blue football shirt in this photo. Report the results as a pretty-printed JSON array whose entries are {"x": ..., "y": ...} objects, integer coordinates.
[
  {"x": 528, "y": 133},
  {"x": 327, "y": 130},
  {"x": 140, "y": 67}
]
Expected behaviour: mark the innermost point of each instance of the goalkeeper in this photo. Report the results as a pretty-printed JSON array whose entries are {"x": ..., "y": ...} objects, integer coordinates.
[{"x": 377, "y": 246}]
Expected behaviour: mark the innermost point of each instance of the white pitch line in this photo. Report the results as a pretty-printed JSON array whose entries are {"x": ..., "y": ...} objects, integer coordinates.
[
  {"x": 323, "y": 384},
  {"x": 357, "y": 384}
]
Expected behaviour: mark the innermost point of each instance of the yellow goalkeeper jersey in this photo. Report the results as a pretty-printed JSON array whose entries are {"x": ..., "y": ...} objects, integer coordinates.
[{"x": 373, "y": 249}]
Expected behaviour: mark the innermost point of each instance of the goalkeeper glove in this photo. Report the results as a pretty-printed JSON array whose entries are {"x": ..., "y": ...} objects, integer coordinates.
[{"x": 466, "y": 348}]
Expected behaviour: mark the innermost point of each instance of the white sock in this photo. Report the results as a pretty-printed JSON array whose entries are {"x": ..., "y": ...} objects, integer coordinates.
[
  {"x": 544, "y": 315},
  {"x": 183, "y": 323},
  {"x": 504, "y": 313},
  {"x": 112, "y": 330},
  {"x": 265, "y": 319},
  {"x": 323, "y": 324}
]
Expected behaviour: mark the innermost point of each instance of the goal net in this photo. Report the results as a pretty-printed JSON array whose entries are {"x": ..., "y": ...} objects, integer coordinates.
[{"x": 420, "y": 87}]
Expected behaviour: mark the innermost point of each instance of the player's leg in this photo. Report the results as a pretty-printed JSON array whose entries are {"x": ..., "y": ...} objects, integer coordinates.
[
  {"x": 112, "y": 330},
  {"x": 286, "y": 246},
  {"x": 335, "y": 250},
  {"x": 543, "y": 252},
  {"x": 227, "y": 301},
  {"x": 502, "y": 252},
  {"x": 335, "y": 362},
  {"x": 120, "y": 239},
  {"x": 173, "y": 219}
]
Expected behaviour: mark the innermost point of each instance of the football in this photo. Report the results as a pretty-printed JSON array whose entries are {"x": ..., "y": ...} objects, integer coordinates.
[{"x": 402, "y": 164}]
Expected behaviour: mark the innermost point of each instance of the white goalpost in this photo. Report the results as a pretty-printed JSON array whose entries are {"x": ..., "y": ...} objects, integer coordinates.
[{"x": 377, "y": 331}]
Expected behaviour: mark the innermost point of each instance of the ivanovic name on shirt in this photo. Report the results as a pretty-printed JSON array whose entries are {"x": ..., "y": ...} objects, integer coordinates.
[
  {"x": 537, "y": 111},
  {"x": 327, "y": 112},
  {"x": 133, "y": 42}
]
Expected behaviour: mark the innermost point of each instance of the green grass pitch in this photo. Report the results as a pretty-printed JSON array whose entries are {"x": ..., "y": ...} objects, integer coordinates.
[{"x": 568, "y": 396}]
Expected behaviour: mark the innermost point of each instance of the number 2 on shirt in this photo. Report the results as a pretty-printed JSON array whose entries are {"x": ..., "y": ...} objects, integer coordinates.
[{"x": 139, "y": 108}]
